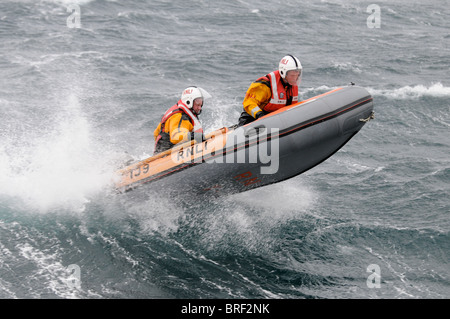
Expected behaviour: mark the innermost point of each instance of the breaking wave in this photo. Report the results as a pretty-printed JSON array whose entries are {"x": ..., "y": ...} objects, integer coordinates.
[{"x": 413, "y": 92}]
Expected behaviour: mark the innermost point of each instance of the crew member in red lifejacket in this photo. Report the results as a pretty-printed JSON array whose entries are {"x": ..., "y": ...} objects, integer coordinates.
[
  {"x": 180, "y": 122},
  {"x": 273, "y": 91}
]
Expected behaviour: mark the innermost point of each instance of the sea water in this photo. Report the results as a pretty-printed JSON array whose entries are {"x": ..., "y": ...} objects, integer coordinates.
[{"x": 84, "y": 83}]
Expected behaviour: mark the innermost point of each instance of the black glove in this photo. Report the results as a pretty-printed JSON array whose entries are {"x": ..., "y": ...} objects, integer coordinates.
[{"x": 259, "y": 114}]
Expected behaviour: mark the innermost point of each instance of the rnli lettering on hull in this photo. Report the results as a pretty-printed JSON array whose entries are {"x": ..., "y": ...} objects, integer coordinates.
[
  {"x": 194, "y": 150},
  {"x": 179, "y": 157},
  {"x": 197, "y": 153}
]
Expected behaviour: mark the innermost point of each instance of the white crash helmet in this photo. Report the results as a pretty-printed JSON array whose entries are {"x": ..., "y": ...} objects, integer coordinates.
[
  {"x": 191, "y": 93},
  {"x": 290, "y": 63}
]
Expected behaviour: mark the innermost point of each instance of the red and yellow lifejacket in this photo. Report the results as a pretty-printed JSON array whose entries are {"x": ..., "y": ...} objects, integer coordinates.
[
  {"x": 164, "y": 137},
  {"x": 280, "y": 96}
]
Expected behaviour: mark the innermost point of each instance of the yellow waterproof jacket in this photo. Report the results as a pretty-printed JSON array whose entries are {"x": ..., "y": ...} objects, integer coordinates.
[
  {"x": 257, "y": 96},
  {"x": 268, "y": 94},
  {"x": 178, "y": 127}
]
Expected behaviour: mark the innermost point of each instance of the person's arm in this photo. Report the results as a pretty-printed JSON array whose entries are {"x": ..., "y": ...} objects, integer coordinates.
[
  {"x": 258, "y": 95},
  {"x": 157, "y": 131}
]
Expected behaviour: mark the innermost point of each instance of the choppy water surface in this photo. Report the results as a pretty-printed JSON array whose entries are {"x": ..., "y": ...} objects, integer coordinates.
[{"x": 75, "y": 103}]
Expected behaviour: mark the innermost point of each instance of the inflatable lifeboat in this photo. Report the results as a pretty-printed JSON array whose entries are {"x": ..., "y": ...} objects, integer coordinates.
[{"x": 277, "y": 146}]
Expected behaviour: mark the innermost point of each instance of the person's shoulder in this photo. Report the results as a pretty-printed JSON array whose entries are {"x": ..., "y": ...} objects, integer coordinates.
[
  {"x": 260, "y": 85},
  {"x": 176, "y": 116},
  {"x": 264, "y": 78}
]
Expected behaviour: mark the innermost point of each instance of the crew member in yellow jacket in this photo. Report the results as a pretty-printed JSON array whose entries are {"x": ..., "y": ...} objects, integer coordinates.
[
  {"x": 180, "y": 122},
  {"x": 273, "y": 91}
]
